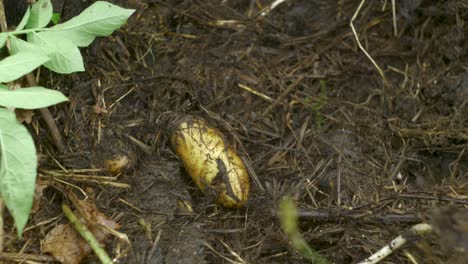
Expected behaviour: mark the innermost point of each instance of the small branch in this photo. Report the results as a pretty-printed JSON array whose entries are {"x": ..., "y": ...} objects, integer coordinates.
[
  {"x": 444, "y": 198},
  {"x": 419, "y": 229},
  {"x": 250, "y": 90},
  {"x": 3, "y": 24},
  {"x": 288, "y": 90},
  {"x": 2, "y": 208},
  {"x": 356, "y": 217},
  {"x": 87, "y": 235},
  {"x": 395, "y": 28},
  {"x": 272, "y": 6},
  {"x": 23, "y": 257},
  {"x": 360, "y": 45}
]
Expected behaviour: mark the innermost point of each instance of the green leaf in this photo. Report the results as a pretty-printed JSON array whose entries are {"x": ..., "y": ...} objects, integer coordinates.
[
  {"x": 56, "y": 18},
  {"x": 65, "y": 57},
  {"x": 99, "y": 19},
  {"x": 3, "y": 38},
  {"x": 30, "y": 98},
  {"x": 41, "y": 13},
  {"x": 24, "y": 20},
  {"x": 18, "y": 165},
  {"x": 17, "y": 45},
  {"x": 19, "y": 64}
]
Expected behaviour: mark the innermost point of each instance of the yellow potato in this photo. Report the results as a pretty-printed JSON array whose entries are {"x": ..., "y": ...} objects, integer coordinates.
[
  {"x": 210, "y": 162},
  {"x": 118, "y": 164}
]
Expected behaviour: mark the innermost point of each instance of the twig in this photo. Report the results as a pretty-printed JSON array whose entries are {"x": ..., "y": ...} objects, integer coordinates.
[
  {"x": 2, "y": 207},
  {"x": 396, "y": 169},
  {"x": 219, "y": 254},
  {"x": 395, "y": 29},
  {"x": 3, "y": 24},
  {"x": 419, "y": 229},
  {"x": 251, "y": 170},
  {"x": 356, "y": 217},
  {"x": 122, "y": 238},
  {"x": 262, "y": 95},
  {"x": 272, "y": 6},
  {"x": 84, "y": 179},
  {"x": 87, "y": 235},
  {"x": 42, "y": 223},
  {"x": 131, "y": 205},
  {"x": 57, "y": 173},
  {"x": 360, "y": 45},
  {"x": 122, "y": 97},
  {"x": 233, "y": 253},
  {"x": 283, "y": 95},
  {"x": 21, "y": 257},
  {"x": 338, "y": 181},
  {"x": 444, "y": 198},
  {"x": 154, "y": 246},
  {"x": 235, "y": 24}
]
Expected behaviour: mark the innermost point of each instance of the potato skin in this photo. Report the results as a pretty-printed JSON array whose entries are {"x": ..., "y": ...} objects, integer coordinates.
[{"x": 210, "y": 162}]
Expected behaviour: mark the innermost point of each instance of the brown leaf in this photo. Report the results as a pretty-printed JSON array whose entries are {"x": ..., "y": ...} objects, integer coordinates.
[
  {"x": 66, "y": 245},
  {"x": 98, "y": 109},
  {"x": 23, "y": 115},
  {"x": 91, "y": 213},
  {"x": 38, "y": 193}
]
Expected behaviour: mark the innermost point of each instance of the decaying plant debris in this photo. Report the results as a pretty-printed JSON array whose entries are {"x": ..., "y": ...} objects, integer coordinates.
[{"x": 363, "y": 160}]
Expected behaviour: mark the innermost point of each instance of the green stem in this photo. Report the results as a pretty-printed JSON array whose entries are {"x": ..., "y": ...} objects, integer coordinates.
[
  {"x": 87, "y": 235},
  {"x": 290, "y": 226},
  {"x": 26, "y": 31}
]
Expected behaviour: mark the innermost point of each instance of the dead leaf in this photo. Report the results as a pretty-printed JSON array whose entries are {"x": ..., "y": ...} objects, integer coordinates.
[
  {"x": 38, "y": 193},
  {"x": 66, "y": 245},
  {"x": 23, "y": 115},
  {"x": 88, "y": 208},
  {"x": 99, "y": 110}
]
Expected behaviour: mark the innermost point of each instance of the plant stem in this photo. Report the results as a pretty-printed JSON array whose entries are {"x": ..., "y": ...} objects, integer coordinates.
[
  {"x": 26, "y": 31},
  {"x": 87, "y": 235},
  {"x": 290, "y": 225},
  {"x": 3, "y": 24},
  {"x": 2, "y": 207},
  {"x": 48, "y": 119}
]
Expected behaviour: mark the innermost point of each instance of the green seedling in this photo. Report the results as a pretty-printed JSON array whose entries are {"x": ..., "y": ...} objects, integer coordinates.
[
  {"x": 319, "y": 104},
  {"x": 290, "y": 226},
  {"x": 56, "y": 48},
  {"x": 319, "y": 120}
]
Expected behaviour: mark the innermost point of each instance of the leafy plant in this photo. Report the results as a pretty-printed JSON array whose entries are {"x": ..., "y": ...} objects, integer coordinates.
[{"x": 56, "y": 48}]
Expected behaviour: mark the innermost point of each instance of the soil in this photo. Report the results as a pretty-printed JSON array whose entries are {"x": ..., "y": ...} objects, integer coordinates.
[{"x": 364, "y": 157}]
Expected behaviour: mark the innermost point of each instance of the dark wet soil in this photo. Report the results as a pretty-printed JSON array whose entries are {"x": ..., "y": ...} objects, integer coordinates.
[{"x": 364, "y": 158}]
